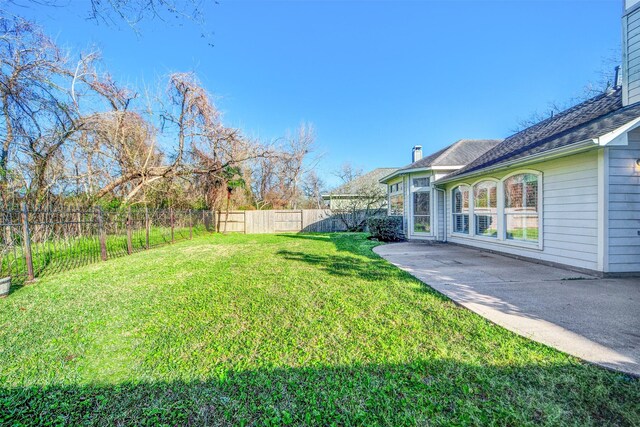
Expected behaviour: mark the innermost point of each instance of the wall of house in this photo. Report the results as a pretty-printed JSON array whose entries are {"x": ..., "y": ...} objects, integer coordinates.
[
  {"x": 569, "y": 213},
  {"x": 624, "y": 206},
  {"x": 631, "y": 52}
]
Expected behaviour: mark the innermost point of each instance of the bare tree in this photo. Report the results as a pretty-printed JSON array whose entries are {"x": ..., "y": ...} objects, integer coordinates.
[
  {"x": 298, "y": 148},
  {"x": 362, "y": 200},
  {"x": 134, "y": 12},
  {"x": 312, "y": 188},
  {"x": 40, "y": 112},
  {"x": 70, "y": 130},
  {"x": 277, "y": 178},
  {"x": 604, "y": 81}
]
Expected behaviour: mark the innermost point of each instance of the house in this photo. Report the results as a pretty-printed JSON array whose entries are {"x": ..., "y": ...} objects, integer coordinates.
[
  {"x": 360, "y": 193},
  {"x": 411, "y": 190},
  {"x": 563, "y": 191}
]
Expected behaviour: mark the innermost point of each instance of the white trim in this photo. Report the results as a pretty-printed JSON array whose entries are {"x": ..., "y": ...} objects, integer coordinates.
[
  {"x": 501, "y": 237},
  {"x": 412, "y": 190},
  {"x": 444, "y": 168},
  {"x": 618, "y": 136},
  {"x": 603, "y": 210},
  {"x": 472, "y": 197},
  {"x": 405, "y": 172},
  {"x": 453, "y": 232}
]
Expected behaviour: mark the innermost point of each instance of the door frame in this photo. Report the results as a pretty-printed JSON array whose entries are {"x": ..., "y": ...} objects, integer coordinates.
[{"x": 430, "y": 190}]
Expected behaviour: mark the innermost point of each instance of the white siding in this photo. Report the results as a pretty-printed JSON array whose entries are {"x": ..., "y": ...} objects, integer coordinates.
[
  {"x": 569, "y": 213},
  {"x": 631, "y": 56},
  {"x": 624, "y": 206}
]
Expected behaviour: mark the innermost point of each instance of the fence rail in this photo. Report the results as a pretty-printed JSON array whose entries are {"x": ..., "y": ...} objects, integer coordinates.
[{"x": 38, "y": 242}]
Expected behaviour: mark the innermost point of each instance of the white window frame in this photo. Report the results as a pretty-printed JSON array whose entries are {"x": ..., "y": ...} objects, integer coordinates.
[
  {"x": 516, "y": 242},
  {"x": 502, "y": 232},
  {"x": 398, "y": 192},
  {"x": 472, "y": 208},
  {"x": 453, "y": 214},
  {"x": 422, "y": 189}
]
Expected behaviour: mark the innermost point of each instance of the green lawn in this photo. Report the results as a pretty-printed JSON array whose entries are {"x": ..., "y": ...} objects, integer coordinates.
[
  {"x": 278, "y": 330},
  {"x": 56, "y": 255}
]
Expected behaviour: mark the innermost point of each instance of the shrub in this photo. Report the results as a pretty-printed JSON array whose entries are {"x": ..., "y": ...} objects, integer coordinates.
[{"x": 386, "y": 229}]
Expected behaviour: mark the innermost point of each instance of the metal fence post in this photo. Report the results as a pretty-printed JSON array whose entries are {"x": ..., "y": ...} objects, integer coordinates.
[
  {"x": 102, "y": 237},
  {"x": 26, "y": 237},
  {"x": 147, "y": 226},
  {"x": 190, "y": 225},
  {"x": 172, "y": 223},
  {"x": 129, "y": 232}
]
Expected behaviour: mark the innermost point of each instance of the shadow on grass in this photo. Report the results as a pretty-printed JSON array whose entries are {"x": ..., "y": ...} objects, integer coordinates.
[
  {"x": 436, "y": 392},
  {"x": 355, "y": 243},
  {"x": 358, "y": 262}
]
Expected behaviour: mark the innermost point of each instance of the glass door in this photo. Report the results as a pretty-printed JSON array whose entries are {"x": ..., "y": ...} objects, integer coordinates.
[
  {"x": 422, "y": 212},
  {"x": 421, "y": 205}
]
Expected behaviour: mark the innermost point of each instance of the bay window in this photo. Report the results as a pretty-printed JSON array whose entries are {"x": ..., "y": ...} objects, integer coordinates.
[
  {"x": 521, "y": 207},
  {"x": 485, "y": 208},
  {"x": 460, "y": 209}
]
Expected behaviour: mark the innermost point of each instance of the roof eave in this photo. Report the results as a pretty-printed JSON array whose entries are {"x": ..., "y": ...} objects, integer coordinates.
[
  {"x": 388, "y": 178},
  {"x": 559, "y": 152}
]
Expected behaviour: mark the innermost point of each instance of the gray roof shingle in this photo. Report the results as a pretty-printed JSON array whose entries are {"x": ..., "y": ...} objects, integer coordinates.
[
  {"x": 587, "y": 120},
  {"x": 459, "y": 153}
]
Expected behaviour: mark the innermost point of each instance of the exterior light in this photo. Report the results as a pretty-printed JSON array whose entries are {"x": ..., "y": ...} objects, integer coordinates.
[{"x": 638, "y": 162}]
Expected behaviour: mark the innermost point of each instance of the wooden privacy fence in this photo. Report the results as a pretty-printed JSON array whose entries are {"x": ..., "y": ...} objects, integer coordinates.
[
  {"x": 282, "y": 221},
  {"x": 35, "y": 242}
]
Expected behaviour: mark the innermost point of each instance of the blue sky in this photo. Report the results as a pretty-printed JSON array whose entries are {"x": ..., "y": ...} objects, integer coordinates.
[{"x": 374, "y": 78}]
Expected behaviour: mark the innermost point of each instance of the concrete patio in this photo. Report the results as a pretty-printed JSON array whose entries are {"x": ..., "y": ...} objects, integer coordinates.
[{"x": 595, "y": 319}]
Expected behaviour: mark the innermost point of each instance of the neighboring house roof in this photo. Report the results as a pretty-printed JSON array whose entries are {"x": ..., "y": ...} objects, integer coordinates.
[
  {"x": 455, "y": 155},
  {"x": 589, "y": 120},
  {"x": 354, "y": 187}
]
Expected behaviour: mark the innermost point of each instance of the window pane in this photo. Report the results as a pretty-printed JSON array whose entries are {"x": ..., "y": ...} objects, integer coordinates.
[
  {"x": 521, "y": 193},
  {"x": 485, "y": 194},
  {"x": 461, "y": 223},
  {"x": 461, "y": 199},
  {"x": 522, "y": 227},
  {"x": 422, "y": 224},
  {"x": 531, "y": 196},
  {"x": 421, "y": 182},
  {"x": 396, "y": 205},
  {"x": 487, "y": 225},
  {"x": 421, "y": 203}
]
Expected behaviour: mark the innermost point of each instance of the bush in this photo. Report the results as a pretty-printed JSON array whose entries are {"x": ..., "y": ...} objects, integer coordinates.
[{"x": 386, "y": 229}]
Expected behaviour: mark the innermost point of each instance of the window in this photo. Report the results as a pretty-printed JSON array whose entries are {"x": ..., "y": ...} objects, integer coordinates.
[
  {"x": 396, "y": 200},
  {"x": 460, "y": 197},
  {"x": 521, "y": 207},
  {"x": 485, "y": 208},
  {"x": 422, "y": 212},
  {"x": 395, "y": 188},
  {"x": 420, "y": 182}
]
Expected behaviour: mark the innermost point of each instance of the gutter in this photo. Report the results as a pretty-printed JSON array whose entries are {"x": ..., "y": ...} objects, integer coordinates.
[{"x": 384, "y": 179}]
